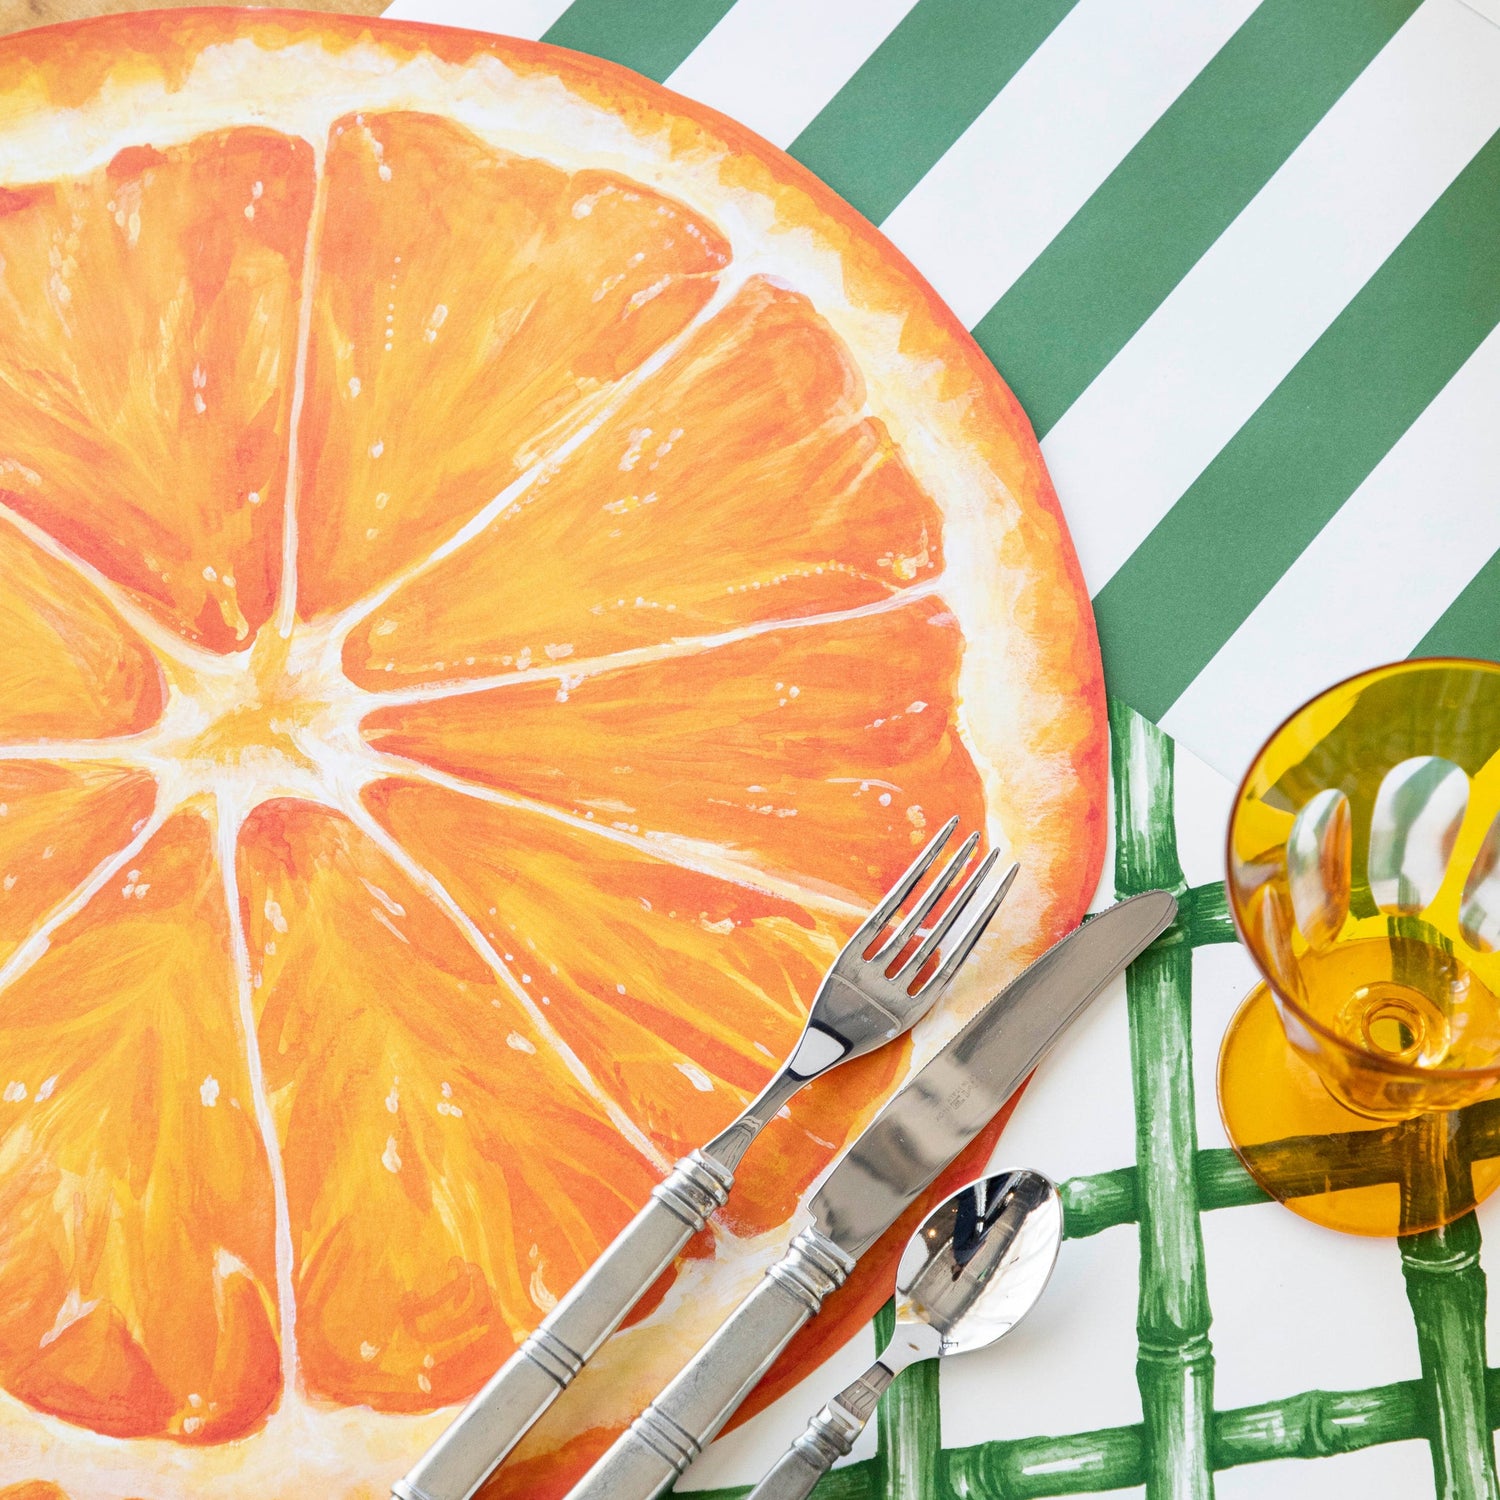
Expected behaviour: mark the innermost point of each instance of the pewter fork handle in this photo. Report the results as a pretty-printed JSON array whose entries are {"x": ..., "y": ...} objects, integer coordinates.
[
  {"x": 481, "y": 1435},
  {"x": 545, "y": 1364}
]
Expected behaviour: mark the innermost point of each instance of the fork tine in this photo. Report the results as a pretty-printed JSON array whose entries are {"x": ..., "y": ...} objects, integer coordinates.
[
  {"x": 929, "y": 899},
  {"x": 913, "y": 966},
  {"x": 903, "y": 887},
  {"x": 953, "y": 961}
]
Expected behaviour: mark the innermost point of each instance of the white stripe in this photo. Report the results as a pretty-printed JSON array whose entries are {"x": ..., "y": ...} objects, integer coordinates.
[
  {"x": 773, "y": 64},
  {"x": 1273, "y": 282},
  {"x": 523, "y": 18},
  {"x": 1374, "y": 580},
  {"x": 1049, "y": 138},
  {"x": 1489, "y": 9}
]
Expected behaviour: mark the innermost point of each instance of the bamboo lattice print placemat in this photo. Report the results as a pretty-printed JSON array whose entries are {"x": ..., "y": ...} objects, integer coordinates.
[{"x": 1197, "y": 1340}]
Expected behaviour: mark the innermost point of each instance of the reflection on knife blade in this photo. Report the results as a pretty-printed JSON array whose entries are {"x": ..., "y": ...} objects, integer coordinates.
[
  {"x": 909, "y": 1142},
  {"x": 961, "y": 1090}
]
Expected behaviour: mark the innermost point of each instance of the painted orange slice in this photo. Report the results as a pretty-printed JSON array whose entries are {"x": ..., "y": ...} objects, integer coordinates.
[{"x": 498, "y": 570}]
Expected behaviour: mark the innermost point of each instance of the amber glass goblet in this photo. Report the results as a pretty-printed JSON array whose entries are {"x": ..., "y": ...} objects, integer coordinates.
[{"x": 1360, "y": 1084}]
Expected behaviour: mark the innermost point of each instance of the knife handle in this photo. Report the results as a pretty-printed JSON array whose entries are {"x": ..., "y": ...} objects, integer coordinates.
[
  {"x": 829, "y": 1437},
  {"x": 545, "y": 1364},
  {"x": 659, "y": 1445}
]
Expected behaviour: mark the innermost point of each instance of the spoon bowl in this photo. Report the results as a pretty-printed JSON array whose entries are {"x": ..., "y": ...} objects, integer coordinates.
[
  {"x": 977, "y": 1264},
  {"x": 980, "y": 1260}
]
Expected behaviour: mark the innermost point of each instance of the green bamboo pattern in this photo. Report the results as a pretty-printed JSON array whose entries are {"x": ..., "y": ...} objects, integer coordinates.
[
  {"x": 1203, "y": 915},
  {"x": 1446, "y": 1288},
  {"x": 909, "y": 1458},
  {"x": 1181, "y": 1441},
  {"x": 909, "y": 1463},
  {"x": 1174, "y": 1367},
  {"x": 1313, "y": 1424}
]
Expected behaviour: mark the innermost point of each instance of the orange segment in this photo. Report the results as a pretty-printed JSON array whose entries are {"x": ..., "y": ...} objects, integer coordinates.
[
  {"x": 825, "y": 750},
  {"x": 681, "y": 993},
  {"x": 57, "y": 824},
  {"x": 447, "y": 1175},
  {"x": 743, "y": 481},
  {"x": 137, "y": 1252},
  {"x": 69, "y": 667},
  {"x": 147, "y": 338},
  {"x": 477, "y": 294}
]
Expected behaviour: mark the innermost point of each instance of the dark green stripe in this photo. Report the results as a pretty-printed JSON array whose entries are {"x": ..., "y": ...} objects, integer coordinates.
[
  {"x": 1121, "y": 254},
  {"x": 1470, "y": 626},
  {"x": 1278, "y": 481},
  {"x": 651, "y": 36},
  {"x": 917, "y": 93}
]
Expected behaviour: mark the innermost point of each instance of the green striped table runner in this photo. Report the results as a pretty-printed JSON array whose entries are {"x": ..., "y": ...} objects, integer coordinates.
[{"x": 1239, "y": 261}]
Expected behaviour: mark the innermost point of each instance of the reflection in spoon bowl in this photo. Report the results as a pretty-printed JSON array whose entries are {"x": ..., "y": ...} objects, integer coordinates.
[{"x": 975, "y": 1267}]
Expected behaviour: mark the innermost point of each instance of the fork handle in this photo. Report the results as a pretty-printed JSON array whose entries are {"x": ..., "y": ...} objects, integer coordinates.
[
  {"x": 659, "y": 1445},
  {"x": 546, "y": 1362}
]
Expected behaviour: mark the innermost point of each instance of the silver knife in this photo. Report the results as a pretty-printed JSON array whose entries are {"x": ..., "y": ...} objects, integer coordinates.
[{"x": 899, "y": 1153}]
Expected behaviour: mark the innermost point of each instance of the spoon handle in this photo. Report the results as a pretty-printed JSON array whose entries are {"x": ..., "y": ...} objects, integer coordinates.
[{"x": 829, "y": 1437}]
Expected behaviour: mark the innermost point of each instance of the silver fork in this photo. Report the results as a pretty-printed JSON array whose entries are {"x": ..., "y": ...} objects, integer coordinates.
[{"x": 859, "y": 1006}]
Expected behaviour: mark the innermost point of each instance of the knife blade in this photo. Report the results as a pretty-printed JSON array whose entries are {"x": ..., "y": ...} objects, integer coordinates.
[{"x": 918, "y": 1133}]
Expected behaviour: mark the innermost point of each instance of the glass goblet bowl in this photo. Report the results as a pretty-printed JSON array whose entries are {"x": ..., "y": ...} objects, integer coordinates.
[{"x": 1356, "y": 1082}]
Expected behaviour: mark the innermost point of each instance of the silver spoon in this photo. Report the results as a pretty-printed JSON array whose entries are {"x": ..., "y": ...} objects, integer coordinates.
[{"x": 970, "y": 1273}]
